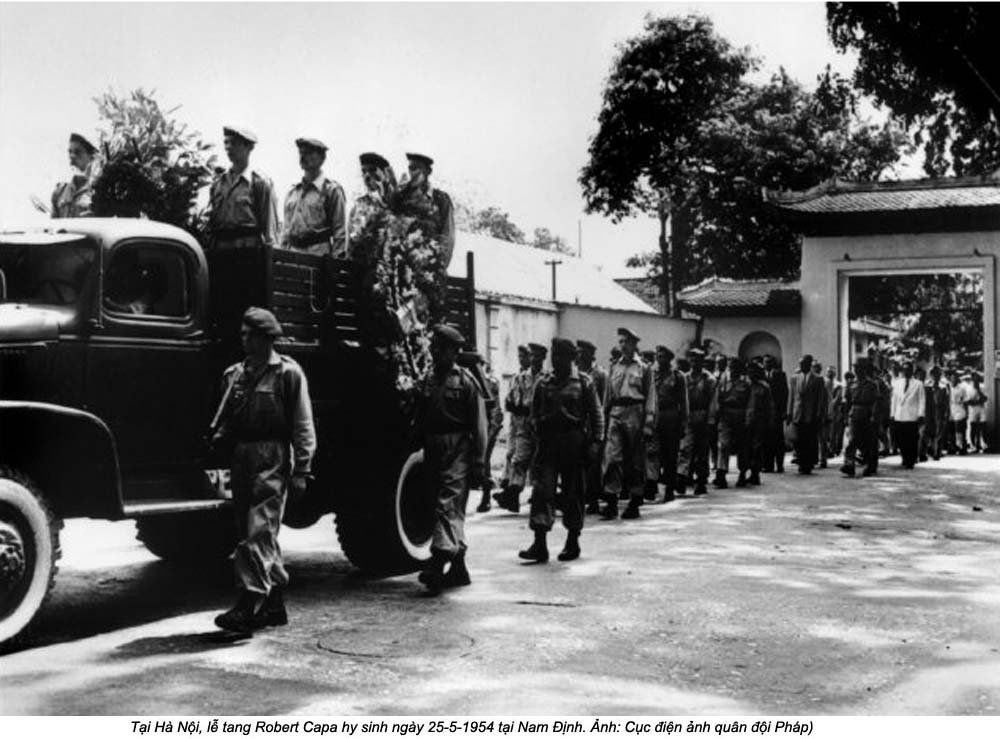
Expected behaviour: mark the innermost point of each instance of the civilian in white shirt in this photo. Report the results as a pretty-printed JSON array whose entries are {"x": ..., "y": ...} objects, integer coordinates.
[
  {"x": 907, "y": 413},
  {"x": 959, "y": 413}
]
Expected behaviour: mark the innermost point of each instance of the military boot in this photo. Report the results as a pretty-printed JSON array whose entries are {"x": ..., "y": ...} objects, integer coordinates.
[
  {"x": 458, "y": 574},
  {"x": 610, "y": 510},
  {"x": 632, "y": 509},
  {"x": 484, "y": 503},
  {"x": 741, "y": 481},
  {"x": 538, "y": 551},
  {"x": 593, "y": 508},
  {"x": 848, "y": 470},
  {"x": 243, "y": 617},
  {"x": 650, "y": 489},
  {"x": 754, "y": 478},
  {"x": 719, "y": 481},
  {"x": 432, "y": 576},
  {"x": 571, "y": 550},
  {"x": 701, "y": 488},
  {"x": 681, "y": 486},
  {"x": 273, "y": 612}
]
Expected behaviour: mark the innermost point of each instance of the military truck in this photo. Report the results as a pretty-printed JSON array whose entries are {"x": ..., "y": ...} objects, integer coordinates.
[{"x": 113, "y": 337}]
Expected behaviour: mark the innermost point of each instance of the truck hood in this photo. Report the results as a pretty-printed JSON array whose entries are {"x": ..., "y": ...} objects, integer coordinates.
[{"x": 27, "y": 325}]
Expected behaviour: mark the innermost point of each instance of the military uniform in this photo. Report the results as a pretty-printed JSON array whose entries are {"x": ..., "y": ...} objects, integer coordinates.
[
  {"x": 315, "y": 217},
  {"x": 451, "y": 418},
  {"x": 759, "y": 421},
  {"x": 73, "y": 199},
  {"x": 631, "y": 407},
  {"x": 242, "y": 211},
  {"x": 267, "y": 416},
  {"x": 671, "y": 420},
  {"x": 521, "y": 438},
  {"x": 566, "y": 413},
  {"x": 861, "y": 400},
  {"x": 693, "y": 462},
  {"x": 732, "y": 399},
  {"x": 592, "y": 488}
]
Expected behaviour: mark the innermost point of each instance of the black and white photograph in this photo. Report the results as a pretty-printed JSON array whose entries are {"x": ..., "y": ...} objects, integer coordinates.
[{"x": 499, "y": 367}]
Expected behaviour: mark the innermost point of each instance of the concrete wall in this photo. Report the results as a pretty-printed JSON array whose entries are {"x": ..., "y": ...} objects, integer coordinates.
[
  {"x": 828, "y": 263},
  {"x": 502, "y": 327},
  {"x": 601, "y": 327},
  {"x": 730, "y": 332}
]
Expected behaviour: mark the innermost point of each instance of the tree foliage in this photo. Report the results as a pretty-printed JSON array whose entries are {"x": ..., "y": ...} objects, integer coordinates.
[
  {"x": 942, "y": 314},
  {"x": 545, "y": 239},
  {"x": 153, "y": 165},
  {"x": 934, "y": 65},
  {"x": 681, "y": 129},
  {"x": 495, "y": 223}
]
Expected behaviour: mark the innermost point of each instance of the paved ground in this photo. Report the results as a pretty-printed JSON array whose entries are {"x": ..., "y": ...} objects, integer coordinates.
[{"x": 808, "y": 595}]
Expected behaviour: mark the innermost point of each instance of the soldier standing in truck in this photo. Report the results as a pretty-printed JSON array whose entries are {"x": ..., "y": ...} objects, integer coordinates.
[
  {"x": 266, "y": 415},
  {"x": 315, "y": 207},
  {"x": 451, "y": 419},
  {"x": 243, "y": 211}
]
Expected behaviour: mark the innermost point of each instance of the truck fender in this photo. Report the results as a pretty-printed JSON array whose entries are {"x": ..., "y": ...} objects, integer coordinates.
[{"x": 70, "y": 455}]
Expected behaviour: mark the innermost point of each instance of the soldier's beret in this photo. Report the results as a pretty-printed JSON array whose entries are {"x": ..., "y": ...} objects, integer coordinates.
[
  {"x": 371, "y": 159},
  {"x": 665, "y": 350},
  {"x": 240, "y": 132},
  {"x": 628, "y": 334},
  {"x": 472, "y": 358},
  {"x": 694, "y": 352},
  {"x": 261, "y": 321},
  {"x": 584, "y": 344},
  {"x": 537, "y": 349},
  {"x": 311, "y": 144},
  {"x": 419, "y": 158},
  {"x": 449, "y": 334},
  {"x": 79, "y": 138},
  {"x": 523, "y": 349},
  {"x": 563, "y": 346}
]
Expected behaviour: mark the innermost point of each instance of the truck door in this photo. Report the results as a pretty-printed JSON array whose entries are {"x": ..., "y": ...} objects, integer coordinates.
[{"x": 149, "y": 376}]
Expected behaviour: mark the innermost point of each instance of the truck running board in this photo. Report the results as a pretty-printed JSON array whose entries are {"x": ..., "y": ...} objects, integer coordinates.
[{"x": 162, "y": 507}]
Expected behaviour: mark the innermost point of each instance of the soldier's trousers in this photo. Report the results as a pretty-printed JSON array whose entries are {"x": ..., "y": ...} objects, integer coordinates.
[
  {"x": 560, "y": 459},
  {"x": 693, "y": 461},
  {"x": 756, "y": 443},
  {"x": 447, "y": 461},
  {"x": 592, "y": 483},
  {"x": 491, "y": 442},
  {"x": 806, "y": 445},
  {"x": 520, "y": 451},
  {"x": 653, "y": 459},
  {"x": 259, "y": 479},
  {"x": 669, "y": 434},
  {"x": 863, "y": 439},
  {"x": 624, "y": 452},
  {"x": 732, "y": 433}
]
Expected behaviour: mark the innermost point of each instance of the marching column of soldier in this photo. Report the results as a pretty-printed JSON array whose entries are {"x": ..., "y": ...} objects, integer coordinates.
[{"x": 578, "y": 435}]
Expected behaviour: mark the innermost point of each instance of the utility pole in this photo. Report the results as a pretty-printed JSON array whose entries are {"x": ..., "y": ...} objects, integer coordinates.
[
  {"x": 579, "y": 238},
  {"x": 667, "y": 254},
  {"x": 554, "y": 263}
]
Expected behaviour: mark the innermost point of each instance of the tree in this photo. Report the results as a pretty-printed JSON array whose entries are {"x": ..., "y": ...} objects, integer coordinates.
[
  {"x": 545, "y": 239},
  {"x": 496, "y": 223},
  {"x": 681, "y": 134},
  {"x": 934, "y": 65},
  {"x": 153, "y": 166}
]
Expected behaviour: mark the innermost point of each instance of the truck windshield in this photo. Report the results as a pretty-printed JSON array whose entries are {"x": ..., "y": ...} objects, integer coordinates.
[{"x": 46, "y": 273}]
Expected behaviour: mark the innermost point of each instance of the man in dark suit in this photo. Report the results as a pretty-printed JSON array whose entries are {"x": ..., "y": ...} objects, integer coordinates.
[
  {"x": 807, "y": 404},
  {"x": 774, "y": 460}
]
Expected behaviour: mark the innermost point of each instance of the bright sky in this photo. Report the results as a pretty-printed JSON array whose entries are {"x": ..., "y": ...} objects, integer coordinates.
[{"x": 503, "y": 96}]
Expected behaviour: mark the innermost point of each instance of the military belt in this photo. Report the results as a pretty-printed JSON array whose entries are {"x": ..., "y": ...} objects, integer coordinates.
[
  {"x": 235, "y": 232},
  {"x": 627, "y": 401},
  {"x": 310, "y": 239},
  {"x": 254, "y": 438}
]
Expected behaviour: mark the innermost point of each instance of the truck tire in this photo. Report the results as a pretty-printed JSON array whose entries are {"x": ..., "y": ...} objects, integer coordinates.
[
  {"x": 189, "y": 538},
  {"x": 29, "y": 553},
  {"x": 387, "y": 530}
]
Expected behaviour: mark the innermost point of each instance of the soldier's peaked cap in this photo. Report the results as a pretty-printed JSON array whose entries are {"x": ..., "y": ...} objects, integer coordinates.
[
  {"x": 371, "y": 159},
  {"x": 240, "y": 132},
  {"x": 419, "y": 158},
  {"x": 261, "y": 321},
  {"x": 311, "y": 144},
  {"x": 584, "y": 344},
  {"x": 449, "y": 333},
  {"x": 628, "y": 334},
  {"x": 83, "y": 141},
  {"x": 665, "y": 350},
  {"x": 537, "y": 349},
  {"x": 563, "y": 346}
]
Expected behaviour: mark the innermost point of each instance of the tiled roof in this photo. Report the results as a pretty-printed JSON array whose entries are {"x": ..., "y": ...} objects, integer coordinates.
[
  {"x": 519, "y": 272},
  {"x": 742, "y": 297},
  {"x": 646, "y": 289},
  {"x": 839, "y": 196}
]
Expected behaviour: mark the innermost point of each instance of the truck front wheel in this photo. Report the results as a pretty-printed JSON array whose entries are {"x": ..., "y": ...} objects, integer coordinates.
[
  {"x": 29, "y": 551},
  {"x": 189, "y": 538},
  {"x": 387, "y": 530}
]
